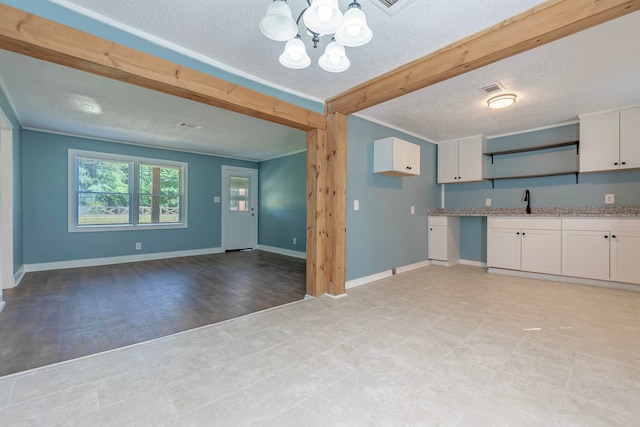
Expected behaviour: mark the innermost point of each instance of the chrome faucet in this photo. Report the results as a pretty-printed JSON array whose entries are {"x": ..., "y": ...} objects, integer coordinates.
[{"x": 527, "y": 198}]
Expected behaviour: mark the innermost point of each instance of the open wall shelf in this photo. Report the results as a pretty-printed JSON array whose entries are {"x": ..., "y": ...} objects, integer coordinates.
[
  {"x": 534, "y": 174},
  {"x": 536, "y": 148}
]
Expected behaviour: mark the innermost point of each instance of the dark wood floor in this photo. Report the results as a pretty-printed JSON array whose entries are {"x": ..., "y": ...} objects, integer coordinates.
[{"x": 64, "y": 314}]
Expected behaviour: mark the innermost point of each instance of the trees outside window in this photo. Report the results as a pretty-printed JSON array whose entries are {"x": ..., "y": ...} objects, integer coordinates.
[{"x": 125, "y": 192}]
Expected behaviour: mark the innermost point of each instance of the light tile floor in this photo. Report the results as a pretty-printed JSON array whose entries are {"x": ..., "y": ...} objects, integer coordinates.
[{"x": 434, "y": 346}]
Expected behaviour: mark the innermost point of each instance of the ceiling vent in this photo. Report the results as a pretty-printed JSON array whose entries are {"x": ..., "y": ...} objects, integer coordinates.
[
  {"x": 392, "y": 6},
  {"x": 492, "y": 88}
]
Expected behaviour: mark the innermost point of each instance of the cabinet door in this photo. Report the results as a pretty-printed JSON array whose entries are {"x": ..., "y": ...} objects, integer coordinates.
[
  {"x": 585, "y": 254},
  {"x": 503, "y": 248},
  {"x": 470, "y": 159},
  {"x": 625, "y": 260},
  {"x": 630, "y": 138},
  {"x": 542, "y": 251},
  {"x": 600, "y": 142},
  {"x": 412, "y": 158},
  {"x": 438, "y": 242},
  {"x": 448, "y": 162}
]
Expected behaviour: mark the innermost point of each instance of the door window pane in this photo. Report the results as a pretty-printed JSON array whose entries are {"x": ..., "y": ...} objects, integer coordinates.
[{"x": 238, "y": 194}]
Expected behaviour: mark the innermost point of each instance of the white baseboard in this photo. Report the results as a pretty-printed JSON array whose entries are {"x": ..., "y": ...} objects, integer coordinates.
[
  {"x": 335, "y": 296},
  {"x": 281, "y": 251},
  {"x": 18, "y": 276},
  {"x": 473, "y": 263},
  {"x": 92, "y": 262},
  {"x": 384, "y": 274},
  {"x": 2, "y": 304},
  {"x": 567, "y": 279}
]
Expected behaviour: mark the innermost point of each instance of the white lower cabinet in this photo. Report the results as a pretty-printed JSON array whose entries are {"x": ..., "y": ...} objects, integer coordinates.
[
  {"x": 527, "y": 244},
  {"x": 444, "y": 235},
  {"x": 604, "y": 249}
]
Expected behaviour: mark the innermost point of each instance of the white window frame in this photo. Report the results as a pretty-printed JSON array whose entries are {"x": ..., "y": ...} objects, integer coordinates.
[{"x": 72, "y": 211}]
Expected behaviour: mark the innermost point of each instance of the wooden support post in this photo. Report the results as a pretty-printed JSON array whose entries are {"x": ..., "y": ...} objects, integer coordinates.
[
  {"x": 336, "y": 207},
  {"x": 317, "y": 281}
]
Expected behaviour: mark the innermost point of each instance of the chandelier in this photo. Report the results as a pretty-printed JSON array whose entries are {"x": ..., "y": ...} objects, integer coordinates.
[{"x": 321, "y": 18}]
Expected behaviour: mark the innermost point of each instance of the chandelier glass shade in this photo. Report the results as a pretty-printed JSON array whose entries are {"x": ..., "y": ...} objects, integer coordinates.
[{"x": 321, "y": 18}]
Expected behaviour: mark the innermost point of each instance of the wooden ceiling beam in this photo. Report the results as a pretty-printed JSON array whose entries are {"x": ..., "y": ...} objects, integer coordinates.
[
  {"x": 535, "y": 27},
  {"x": 40, "y": 38}
]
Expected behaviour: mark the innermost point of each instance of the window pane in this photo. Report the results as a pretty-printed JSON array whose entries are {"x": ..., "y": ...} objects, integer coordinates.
[
  {"x": 160, "y": 194},
  {"x": 238, "y": 194},
  {"x": 102, "y": 209},
  {"x": 169, "y": 210},
  {"x": 103, "y": 192}
]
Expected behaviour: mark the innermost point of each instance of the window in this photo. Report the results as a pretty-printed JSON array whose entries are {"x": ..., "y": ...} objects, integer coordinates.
[{"x": 108, "y": 191}]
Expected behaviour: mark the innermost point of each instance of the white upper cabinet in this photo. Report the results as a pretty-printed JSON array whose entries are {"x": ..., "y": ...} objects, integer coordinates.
[
  {"x": 393, "y": 156},
  {"x": 610, "y": 141},
  {"x": 461, "y": 160}
]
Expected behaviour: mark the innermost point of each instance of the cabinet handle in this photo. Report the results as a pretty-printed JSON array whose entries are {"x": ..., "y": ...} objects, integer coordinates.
[
  {"x": 431, "y": 229},
  {"x": 613, "y": 236},
  {"x": 623, "y": 163},
  {"x": 616, "y": 163},
  {"x": 606, "y": 237},
  {"x": 459, "y": 177},
  {"x": 409, "y": 167},
  {"x": 523, "y": 233},
  {"x": 518, "y": 233}
]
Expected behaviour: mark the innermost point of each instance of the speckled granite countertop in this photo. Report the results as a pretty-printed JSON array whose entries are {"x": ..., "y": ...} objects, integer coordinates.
[{"x": 591, "y": 211}]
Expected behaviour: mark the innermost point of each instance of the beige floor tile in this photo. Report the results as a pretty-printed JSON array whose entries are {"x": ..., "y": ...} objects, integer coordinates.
[
  {"x": 487, "y": 412},
  {"x": 433, "y": 346},
  {"x": 576, "y": 412},
  {"x": 607, "y": 384},
  {"x": 424, "y": 349},
  {"x": 405, "y": 414},
  {"x": 6, "y": 386},
  {"x": 52, "y": 409},
  {"x": 316, "y": 411}
]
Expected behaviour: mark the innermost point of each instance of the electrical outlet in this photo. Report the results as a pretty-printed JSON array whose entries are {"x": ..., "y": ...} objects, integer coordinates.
[
  {"x": 295, "y": 240},
  {"x": 413, "y": 210},
  {"x": 138, "y": 246},
  {"x": 609, "y": 199},
  {"x": 487, "y": 202}
]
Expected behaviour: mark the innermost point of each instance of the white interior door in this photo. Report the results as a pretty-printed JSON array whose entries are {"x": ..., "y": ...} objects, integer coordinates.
[{"x": 239, "y": 208}]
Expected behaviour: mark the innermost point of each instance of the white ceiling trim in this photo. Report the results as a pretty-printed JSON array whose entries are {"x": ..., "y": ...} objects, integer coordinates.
[
  {"x": 609, "y": 110},
  {"x": 520, "y": 132},
  {"x": 284, "y": 155},
  {"x": 180, "y": 49},
  {"x": 137, "y": 144},
  {"x": 390, "y": 126}
]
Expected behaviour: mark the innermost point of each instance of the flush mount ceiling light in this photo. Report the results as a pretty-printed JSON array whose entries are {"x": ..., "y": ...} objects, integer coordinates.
[
  {"x": 501, "y": 101},
  {"x": 321, "y": 18}
]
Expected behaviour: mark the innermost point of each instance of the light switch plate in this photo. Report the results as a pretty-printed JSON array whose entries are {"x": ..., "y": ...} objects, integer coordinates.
[
  {"x": 609, "y": 199},
  {"x": 216, "y": 199},
  {"x": 356, "y": 205},
  {"x": 413, "y": 210},
  {"x": 487, "y": 202}
]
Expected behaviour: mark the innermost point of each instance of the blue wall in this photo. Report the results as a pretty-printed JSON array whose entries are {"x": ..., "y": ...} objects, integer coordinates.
[
  {"x": 17, "y": 181},
  {"x": 383, "y": 234},
  {"x": 550, "y": 191},
  {"x": 45, "y": 188},
  {"x": 81, "y": 22},
  {"x": 283, "y": 202}
]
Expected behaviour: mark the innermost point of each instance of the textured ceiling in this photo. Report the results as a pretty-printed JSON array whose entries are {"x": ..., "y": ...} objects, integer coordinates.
[{"x": 589, "y": 71}]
